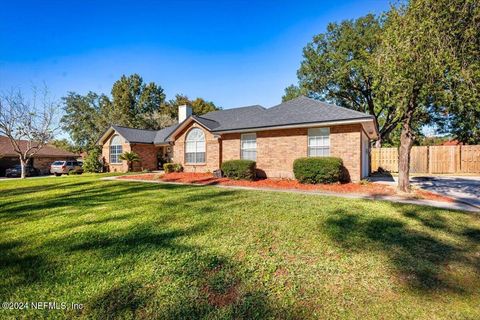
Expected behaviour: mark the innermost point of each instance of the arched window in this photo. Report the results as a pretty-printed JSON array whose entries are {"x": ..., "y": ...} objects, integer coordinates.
[
  {"x": 115, "y": 149},
  {"x": 195, "y": 146}
]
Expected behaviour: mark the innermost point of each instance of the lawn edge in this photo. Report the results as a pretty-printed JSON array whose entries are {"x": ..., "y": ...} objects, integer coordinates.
[{"x": 457, "y": 205}]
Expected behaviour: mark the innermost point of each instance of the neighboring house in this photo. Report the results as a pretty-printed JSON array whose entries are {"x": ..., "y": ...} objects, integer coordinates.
[
  {"x": 41, "y": 160},
  {"x": 273, "y": 137},
  {"x": 452, "y": 143}
]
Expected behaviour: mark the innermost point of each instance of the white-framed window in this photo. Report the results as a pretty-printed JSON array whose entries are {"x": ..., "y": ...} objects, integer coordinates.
[
  {"x": 248, "y": 146},
  {"x": 115, "y": 149},
  {"x": 318, "y": 142},
  {"x": 195, "y": 146}
]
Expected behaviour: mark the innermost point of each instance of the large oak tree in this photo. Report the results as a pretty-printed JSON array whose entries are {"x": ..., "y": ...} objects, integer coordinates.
[{"x": 338, "y": 66}]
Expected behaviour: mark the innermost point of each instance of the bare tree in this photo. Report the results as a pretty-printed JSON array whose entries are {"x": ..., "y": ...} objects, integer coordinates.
[{"x": 28, "y": 125}]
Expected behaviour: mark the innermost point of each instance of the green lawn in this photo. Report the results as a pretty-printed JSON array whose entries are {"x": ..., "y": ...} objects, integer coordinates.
[{"x": 133, "y": 250}]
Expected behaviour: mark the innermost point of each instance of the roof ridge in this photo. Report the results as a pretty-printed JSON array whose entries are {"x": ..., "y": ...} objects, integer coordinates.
[
  {"x": 236, "y": 108},
  {"x": 302, "y": 97},
  {"x": 365, "y": 114},
  {"x": 289, "y": 101},
  {"x": 114, "y": 125},
  {"x": 196, "y": 116},
  {"x": 173, "y": 125}
]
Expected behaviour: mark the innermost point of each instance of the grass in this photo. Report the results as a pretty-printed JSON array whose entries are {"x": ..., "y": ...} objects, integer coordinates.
[{"x": 133, "y": 250}]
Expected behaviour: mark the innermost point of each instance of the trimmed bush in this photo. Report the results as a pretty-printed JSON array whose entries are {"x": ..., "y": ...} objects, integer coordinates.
[
  {"x": 318, "y": 170},
  {"x": 172, "y": 167},
  {"x": 239, "y": 169}
]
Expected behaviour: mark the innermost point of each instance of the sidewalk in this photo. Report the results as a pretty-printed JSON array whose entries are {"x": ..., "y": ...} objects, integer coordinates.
[{"x": 437, "y": 204}]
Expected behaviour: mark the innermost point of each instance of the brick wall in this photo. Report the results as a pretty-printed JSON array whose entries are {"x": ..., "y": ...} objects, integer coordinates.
[
  {"x": 345, "y": 143},
  {"x": 213, "y": 151},
  {"x": 114, "y": 167},
  {"x": 231, "y": 146},
  {"x": 148, "y": 156},
  {"x": 277, "y": 149}
]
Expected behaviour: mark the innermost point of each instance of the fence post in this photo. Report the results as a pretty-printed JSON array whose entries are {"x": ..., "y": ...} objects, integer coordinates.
[
  {"x": 458, "y": 167},
  {"x": 460, "y": 158},
  {"x": 429, "y": 157}
]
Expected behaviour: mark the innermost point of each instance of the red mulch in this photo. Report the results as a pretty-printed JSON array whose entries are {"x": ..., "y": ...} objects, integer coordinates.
[
  {"x": 432, "y": 196},
  {"x": 357, "y": 188}
]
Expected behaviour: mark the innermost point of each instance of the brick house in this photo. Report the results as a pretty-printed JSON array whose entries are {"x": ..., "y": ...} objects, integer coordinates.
[
  {"x": 273, "y": 137},
  {"x": 40, "y": 161}
]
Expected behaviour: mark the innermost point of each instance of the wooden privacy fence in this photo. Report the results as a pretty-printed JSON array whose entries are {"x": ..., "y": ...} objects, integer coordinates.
[{"x": 434, "y": 159}]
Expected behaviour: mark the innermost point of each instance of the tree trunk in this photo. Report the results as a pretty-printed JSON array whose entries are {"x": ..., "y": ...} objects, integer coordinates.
[
  {"x": 406, "y": 143},
  {"x": 23, "y": 166},
  {"x": 378, "y": 143}
]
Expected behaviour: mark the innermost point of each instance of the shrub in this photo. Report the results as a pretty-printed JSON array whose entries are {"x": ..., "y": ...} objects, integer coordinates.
[
  {"x": 92, "y": 161},
  {"x": 239, "y": 169},
  {"x": 172, "y": 167},
  {"x": 318, "y": 170},
  {"x": 130, "y": 157}
]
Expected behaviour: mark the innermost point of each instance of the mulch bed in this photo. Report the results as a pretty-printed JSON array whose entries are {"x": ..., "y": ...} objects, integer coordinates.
[{"x": 373, "y": 189}]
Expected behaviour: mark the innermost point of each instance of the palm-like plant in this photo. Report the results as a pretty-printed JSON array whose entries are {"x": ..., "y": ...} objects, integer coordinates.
[{"x": 130, "y": 157}]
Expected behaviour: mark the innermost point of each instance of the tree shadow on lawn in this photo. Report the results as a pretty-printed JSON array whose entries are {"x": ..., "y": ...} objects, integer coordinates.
[
  {"x": 204, "y": 283},
  {"x": 423, "y": 261},
  {"x": 20, "y": 269},
  {"x": 90, "y": 195},
  {"x": 191, "y": 282},
  {"x": 188, "y": 281},
  {"x": 9, "y": 191},
  {"x": 210, "y": 288},
  {"x": 23, "y": 266}
]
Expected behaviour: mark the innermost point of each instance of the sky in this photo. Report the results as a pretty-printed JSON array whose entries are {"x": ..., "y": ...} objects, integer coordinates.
[{"x": 234, "y": 53}]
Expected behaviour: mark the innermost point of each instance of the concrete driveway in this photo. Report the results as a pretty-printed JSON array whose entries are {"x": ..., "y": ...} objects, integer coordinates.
[
  {"x": 466, "y": 189},
  {"x": 462, "y": 188}
]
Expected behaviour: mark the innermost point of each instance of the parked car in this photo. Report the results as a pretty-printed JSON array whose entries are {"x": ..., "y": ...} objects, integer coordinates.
[
  {"x": 16, "y": 171},
  {"x": 65, "y": 167}
]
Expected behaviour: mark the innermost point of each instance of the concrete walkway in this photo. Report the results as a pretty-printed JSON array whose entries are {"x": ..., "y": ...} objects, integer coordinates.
[{"x": 437, "y": 204}]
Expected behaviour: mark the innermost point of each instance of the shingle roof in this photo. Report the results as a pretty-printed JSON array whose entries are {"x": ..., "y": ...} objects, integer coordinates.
[
  {"x": 301, "y": 110},
  {"x": 6, "y": 149},
  {"x": 136, "y": 135},
  {"x": 143, "y": 135},
  {"x": 162, "y": 135},
  {"x": 297, "y": 111}
]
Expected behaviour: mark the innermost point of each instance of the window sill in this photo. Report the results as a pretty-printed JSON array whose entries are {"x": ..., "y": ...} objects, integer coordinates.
[{"x": 196, "y": 164}]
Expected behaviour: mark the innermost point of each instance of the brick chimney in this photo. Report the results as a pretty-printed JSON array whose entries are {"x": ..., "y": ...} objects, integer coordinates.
[{"x": 184, "y": 112}]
